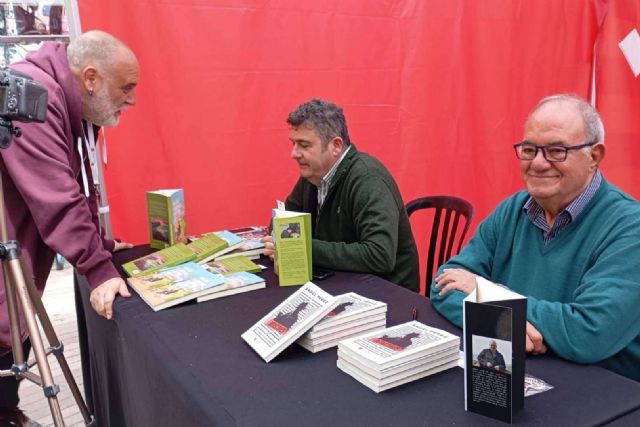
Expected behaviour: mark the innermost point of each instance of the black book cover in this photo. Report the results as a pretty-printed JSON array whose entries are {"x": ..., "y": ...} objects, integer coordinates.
[{"x": 494, "y": 342}]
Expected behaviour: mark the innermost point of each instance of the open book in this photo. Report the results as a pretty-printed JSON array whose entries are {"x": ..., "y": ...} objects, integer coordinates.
[{"x": 289, "y": 320}]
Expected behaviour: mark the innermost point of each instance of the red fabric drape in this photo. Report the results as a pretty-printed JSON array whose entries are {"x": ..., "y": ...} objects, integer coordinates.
[
  {"x": 438, "y": 90},
  {"x": 618, "y": 96}
]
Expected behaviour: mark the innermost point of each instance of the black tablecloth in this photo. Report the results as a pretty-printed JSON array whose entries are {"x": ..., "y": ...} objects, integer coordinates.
[{"x": 187, "y": 365}]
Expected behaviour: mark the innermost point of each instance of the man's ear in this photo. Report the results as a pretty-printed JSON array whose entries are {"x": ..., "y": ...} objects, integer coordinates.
[
  {"x": 336, "y": 145},
  {"x": 598, "y": 152},
  {"x": 90, "y": 79}
]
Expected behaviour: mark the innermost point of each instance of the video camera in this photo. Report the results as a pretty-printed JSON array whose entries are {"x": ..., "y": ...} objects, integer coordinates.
[{"x": 21, "y": 99}]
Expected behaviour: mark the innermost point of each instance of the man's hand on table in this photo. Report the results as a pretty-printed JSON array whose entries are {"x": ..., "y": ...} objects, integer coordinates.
[
  {"x": 102, "y": 296},
  {"x": 455, "y": 278}
]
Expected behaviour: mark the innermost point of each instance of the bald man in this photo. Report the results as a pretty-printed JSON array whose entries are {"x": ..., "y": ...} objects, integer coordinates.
[{"x": 50, "y": 196}]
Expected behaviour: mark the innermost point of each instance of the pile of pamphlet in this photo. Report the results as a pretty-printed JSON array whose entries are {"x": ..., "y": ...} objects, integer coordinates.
[
  {"x": 397, "y": 355},
  {"x": 354, "y": 315}
]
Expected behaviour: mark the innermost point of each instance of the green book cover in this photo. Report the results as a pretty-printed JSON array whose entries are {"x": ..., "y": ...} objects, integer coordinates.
[
  {"x": 207, "y": 245},
  {"x": 173, "y": 255},
  {"x": 166, "y": 213},
  {"x": 292, "y": 240},
  {"x": 173, "y": 285},
  {"x": 233, "y": 265}
]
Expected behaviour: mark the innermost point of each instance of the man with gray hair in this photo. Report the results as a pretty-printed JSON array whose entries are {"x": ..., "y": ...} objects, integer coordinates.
[
  {"x": 570, "y": 243},
  {"x": 359, "y": 220},
  {"x": 49, "y": 189}
]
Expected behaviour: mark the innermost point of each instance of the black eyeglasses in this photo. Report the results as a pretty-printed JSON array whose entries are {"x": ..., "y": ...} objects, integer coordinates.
[{"x": 552, "y": 153}]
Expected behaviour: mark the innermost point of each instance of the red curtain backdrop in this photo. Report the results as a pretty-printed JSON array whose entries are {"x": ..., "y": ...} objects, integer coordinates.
[{"x": 437, "y": 89}]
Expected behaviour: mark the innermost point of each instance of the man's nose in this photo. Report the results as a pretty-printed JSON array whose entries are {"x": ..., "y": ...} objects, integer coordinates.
[
  {"x": 295, "y": 154},
  {"x": 131, "y": 97},
  {"x": 539, "y": 161}
]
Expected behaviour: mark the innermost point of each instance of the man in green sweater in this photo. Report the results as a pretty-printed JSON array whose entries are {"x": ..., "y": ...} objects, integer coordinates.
[
  {"x": 359, "y": 220},
  {"x": 570, "y": 243}
]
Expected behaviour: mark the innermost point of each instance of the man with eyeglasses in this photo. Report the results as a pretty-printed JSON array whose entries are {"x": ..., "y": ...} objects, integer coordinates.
[{"x": 570, "y": 242}]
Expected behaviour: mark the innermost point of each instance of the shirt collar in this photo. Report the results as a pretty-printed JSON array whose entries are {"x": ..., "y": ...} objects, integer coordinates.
[
  {"x": 326, "y": 180},
  {"x": 576, "y": 207}
]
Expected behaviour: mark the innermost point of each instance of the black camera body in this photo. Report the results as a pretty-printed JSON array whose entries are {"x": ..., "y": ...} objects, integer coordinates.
[{"x": 21, "y": 98}]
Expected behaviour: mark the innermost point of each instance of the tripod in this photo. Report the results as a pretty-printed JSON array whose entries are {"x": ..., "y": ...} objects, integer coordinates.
[{"x": 19, "y": 288}]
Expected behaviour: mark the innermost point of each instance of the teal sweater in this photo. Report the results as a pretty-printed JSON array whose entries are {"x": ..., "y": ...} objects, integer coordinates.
[
  {"x": 363, "y": 225},
  {"x": 583, "y": 287}
]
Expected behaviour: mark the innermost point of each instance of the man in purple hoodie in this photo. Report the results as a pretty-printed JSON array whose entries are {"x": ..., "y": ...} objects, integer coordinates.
[{"x": 50, "y": 196}]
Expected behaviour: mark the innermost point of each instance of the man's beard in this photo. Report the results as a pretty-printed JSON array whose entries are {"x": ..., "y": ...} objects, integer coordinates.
[{"x": 101, "y": 111}]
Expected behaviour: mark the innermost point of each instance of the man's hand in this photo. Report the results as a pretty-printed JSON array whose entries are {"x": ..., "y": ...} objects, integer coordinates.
[
  {"x": 455, "y": 278},
  {"x": 535, "y": 341},
  {"x": 268, "y": 246},
  {"x": 121, "y": 245},
  {"x": 102, "y": 297}
]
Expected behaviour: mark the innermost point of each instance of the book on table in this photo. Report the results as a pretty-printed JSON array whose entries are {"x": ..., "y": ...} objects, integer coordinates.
[
  {"x": 494, "y": 330},
  {"x": 173, "y": 255},
  {"x": 252, "y": 246},
  {"x": 354, "y": 315},
  {"x": 397, "y": 355},
  {"x": 233, "y": 265},
  {"x": 166, "y": 215},
  {"x": 210, "y": 245},
  {"x": 326, "y": 342},
  {"x": 174, "y": 285},
  {"x": 235, "y": 283},
  {"x": 292, "y": 246},
  {"x": 289, "y": 320}
]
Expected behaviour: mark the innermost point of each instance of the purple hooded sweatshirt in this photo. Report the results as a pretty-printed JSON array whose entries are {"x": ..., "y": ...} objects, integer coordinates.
[{"x": 47, "y": 210}]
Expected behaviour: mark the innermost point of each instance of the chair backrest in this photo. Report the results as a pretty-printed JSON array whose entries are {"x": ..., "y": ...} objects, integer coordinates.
[{"x": 444, "y": 230}]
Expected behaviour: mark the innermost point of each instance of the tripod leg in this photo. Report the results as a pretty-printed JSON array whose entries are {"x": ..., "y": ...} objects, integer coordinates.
[
  {"x": 58, "y": 349},
  {"x": 18, "y": 286},
  {"x": 16, "y": 342}
]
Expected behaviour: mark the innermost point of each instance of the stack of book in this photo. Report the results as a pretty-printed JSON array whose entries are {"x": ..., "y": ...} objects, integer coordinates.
[
  {"x": 283, "y": 325},
  {"x": 252, "y": 245},
  {"x": 354, "y": 315},
  {"x": 397, "y": 355},
  {"x": 238, "y": 277}
]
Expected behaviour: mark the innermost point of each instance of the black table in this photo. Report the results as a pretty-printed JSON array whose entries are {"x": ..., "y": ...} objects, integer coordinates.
[{"x": 187, "y": 365}]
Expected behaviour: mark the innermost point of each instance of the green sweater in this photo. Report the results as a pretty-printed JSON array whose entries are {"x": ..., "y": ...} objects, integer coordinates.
[
  {"x": 363, "y": 225},
  {"x": 583, "y": 287}
]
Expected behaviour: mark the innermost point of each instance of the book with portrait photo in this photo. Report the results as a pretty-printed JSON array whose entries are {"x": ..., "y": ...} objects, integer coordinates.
[
  {"x": 494, "y": 321},
  {"x": 292, "y": 246},
  {"x": 279, "y": 328}
]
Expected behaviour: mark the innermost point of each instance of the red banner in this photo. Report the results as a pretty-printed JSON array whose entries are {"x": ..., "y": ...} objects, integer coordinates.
[{"x": 438, "y": 90}]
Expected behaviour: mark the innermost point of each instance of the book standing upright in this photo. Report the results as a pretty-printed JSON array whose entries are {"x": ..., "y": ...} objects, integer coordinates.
[
  {"x": 494, "y": 329},
  {"x": 166, "y": 214},
  {"x": 292, "y": 244}
]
